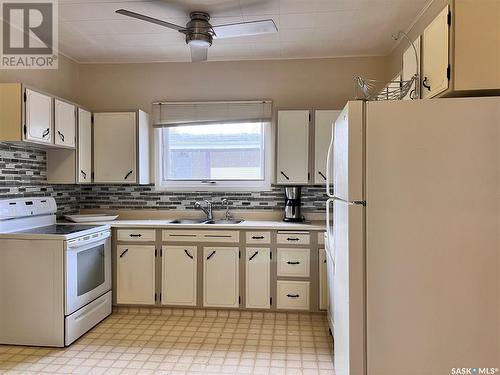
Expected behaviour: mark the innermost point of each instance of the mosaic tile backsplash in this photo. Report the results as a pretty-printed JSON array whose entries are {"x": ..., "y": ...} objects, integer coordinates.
[{"x": 23, "y": 172}]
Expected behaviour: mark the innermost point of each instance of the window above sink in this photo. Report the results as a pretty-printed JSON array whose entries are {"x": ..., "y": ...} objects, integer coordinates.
[{"x": 213, "y": 150}]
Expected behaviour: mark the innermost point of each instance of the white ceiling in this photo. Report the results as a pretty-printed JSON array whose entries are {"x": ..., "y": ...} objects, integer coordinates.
[{"x": 91, "y": 31}]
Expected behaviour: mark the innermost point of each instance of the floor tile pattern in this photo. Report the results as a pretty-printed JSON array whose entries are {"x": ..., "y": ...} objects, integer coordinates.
[{"x": 137, "y": 343}]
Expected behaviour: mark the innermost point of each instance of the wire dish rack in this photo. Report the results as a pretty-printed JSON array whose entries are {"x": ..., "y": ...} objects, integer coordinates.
[{"x": 372, "y": 89}]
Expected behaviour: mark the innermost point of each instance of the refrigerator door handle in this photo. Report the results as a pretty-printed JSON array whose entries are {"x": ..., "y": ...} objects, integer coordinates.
[
  {"x": 329, "y": 192},
  {"x": 329, "y": 203}
]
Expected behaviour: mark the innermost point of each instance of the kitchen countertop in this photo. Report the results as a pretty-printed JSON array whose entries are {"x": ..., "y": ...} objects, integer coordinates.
[{"x": 245, "y": 225}]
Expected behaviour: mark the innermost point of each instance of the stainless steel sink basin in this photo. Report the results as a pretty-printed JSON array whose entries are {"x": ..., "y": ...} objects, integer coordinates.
[
  {"x": 187, "y": 221},
  {"x": 223, "y": 221}
]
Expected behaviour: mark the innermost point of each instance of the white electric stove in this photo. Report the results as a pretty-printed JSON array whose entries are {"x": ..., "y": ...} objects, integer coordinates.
[{"x": 55, "y": 279}]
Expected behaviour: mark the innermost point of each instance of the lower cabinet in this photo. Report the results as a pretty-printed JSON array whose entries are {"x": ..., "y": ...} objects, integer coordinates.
[
  {"x": 292, "y": 295},
  {"x": 220, "y": 277},
  {"x": 323, "y": 283},
  {"x": 135, "y": 274},
  {"x": 179, "y": 275},
  {"x": 258, "y": 278}
]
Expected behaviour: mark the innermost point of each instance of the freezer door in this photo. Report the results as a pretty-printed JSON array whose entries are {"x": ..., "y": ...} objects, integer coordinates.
[
  {"x": 348, "y": 293},
  {"x": 433, "y": 244},
  {"x": 348, "y": 153}
]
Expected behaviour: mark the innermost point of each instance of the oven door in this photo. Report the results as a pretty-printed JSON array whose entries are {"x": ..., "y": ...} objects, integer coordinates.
[{"x": 88, "y": 270}]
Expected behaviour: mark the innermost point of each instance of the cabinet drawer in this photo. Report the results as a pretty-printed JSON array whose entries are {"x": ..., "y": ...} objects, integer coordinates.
[
  {"x": 132, "y": 235},
  {"x": 181, "y": 235},
  {"x": 186, "y": 235},
  {"x": 294, "y": 238},
  {"x": 220, "y": 236},
  {"x": 258, "y": 237},
  {"x": 293, "y": 262},
  {"x": 292, "y": 295}
]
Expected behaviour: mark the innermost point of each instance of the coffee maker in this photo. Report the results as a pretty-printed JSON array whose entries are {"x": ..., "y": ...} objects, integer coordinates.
[{"x": 292, "y": 204}]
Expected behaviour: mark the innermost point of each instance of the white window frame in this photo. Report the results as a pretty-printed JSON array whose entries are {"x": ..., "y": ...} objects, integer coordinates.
[{"x": 231, "y": 185}]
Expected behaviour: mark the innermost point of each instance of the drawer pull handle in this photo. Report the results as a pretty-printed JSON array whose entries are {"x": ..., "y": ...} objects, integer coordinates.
[
  {"x": 83, "y": 174},
  {"x": 61, "y": 135},
  {"x": 292, "y": 263},
  {"x": 292, "y": 239},
  {"x": 187, "y": 253},
  {"x": 293, "y": 295},
  {"x": 257, "y": 237},
  {"x": 253, "y": 256},
  {"x": 322, "y": 175},
  {"x": 211, "y": 255},
  {"x": 135, "y": 235},
  {"x": 123, "y": 253},
  {"x": 128, "y": 174},
  {"x": 46, "y": 132}
]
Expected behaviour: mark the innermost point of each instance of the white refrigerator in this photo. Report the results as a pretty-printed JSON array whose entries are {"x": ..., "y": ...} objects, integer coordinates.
[{"x": 413, "y": 239}]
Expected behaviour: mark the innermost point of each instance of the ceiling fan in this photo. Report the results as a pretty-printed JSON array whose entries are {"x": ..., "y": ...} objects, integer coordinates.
[{"x": 200, "y": 33}]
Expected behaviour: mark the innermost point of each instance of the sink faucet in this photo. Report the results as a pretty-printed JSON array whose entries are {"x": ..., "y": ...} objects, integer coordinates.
[
  {"x": 227, "y": 215},
  {"x": 207, "y": 210}
]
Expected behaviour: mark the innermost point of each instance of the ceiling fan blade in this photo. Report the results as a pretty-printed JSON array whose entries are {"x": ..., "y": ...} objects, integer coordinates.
[
  {"x": 198, "y": 53},
  {"x": 142, "y": 17},
  {"x": 245, "y": 29}
]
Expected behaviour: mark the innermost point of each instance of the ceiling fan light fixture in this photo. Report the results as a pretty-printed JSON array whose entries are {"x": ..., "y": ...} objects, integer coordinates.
[{"x": 199, "y": 40}]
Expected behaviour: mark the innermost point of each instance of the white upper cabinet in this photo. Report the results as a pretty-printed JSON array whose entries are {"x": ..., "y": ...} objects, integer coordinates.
[
  {"x": 292, "y": 166},
  {"x": 435, "y": 52},
  {"x": 64, "y": 124},
  {"x": 84, "y": 168},
  {"x": 121, "y": 151},
  {"x": 220, "y": 277},
  {"x": 179, "y": 275},
  {"x": 38, "y": 116},
  {"x": 411, "y": 66},
  {"x": 323, "y": 126},
  {"x": 258, "y": 278}
]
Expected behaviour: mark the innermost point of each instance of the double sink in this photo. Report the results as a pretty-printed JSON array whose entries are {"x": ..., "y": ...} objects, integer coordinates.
[{"x": 201, "y": 221}]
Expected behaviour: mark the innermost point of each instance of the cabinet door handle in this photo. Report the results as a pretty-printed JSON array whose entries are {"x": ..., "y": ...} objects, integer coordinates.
[
  {"x": 292, "y": 239},
  {"x": 425, "y": 84},
  {"x": 288, "y": 178},
  {"x": 135, "y": 235},
  {"x": 253, "y": 255},
  {"x": 123, "y": 253},
  {"x": 61, "y": 135},
  {"x": 293, "y": 295},
  {"x": 257, "y": 237},
  {"x": 128, "y": 174},
  {"x": 83, "y": 174},
  {"x": 187, "y": 253},
  {"x": 211, "y": 255},
  {"x": 322, "y": 175},
  {"x": 293, "y": 263},
  {"x": 46, "y": 132}
]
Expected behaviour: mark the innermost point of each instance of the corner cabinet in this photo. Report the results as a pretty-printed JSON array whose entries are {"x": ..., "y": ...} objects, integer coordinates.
[
  {"x": 221, "y": 277},
  {"x": 135, "y": 274},
  {"x": 292, "y": 161},
  {"x": 127, "y": 135},
  {"x": 323, "y": 126}
]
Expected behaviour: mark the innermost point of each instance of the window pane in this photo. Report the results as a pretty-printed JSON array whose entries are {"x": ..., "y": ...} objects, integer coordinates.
[{"x": 214, "y": 152}]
